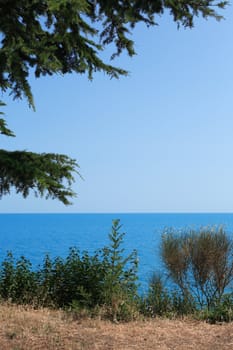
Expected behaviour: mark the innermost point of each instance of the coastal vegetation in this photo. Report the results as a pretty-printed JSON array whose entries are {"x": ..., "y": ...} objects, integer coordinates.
[{"x": 195, "y": 281}]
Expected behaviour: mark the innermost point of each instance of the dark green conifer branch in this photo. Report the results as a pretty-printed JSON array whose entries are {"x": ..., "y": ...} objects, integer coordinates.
[
  {"x": 64, "y": 36},
  {"x": 46, "y": 174},
  {"x": 3, "y": 126}
]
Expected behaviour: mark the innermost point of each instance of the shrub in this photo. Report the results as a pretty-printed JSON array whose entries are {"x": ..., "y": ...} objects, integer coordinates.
[
  {"x": 200, "y": 263},
  {"x": 17, "y": 281},
  {"x": 164, "y": 301},
  {"x": 157, "y": 302},
  {"x": 77, "y": 278},
  {"x": 119, "y": 285},
  {"x": 7, "y": 277},
  {"x": 105, "y": 279},
  {"x": 221, "y": 311}
]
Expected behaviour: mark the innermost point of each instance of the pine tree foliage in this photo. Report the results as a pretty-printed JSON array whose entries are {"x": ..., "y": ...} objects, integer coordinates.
[
  {"x": 42, "y": 173},
  {"x": 64, "y": 36},
  {"x": 3, "y": 126},
  {"x": 47, "y": 174},
  {"x": 46, "y": 37}
]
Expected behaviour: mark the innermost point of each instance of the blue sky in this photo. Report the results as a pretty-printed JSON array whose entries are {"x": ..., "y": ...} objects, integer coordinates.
[{"x": 160, "y": 140}]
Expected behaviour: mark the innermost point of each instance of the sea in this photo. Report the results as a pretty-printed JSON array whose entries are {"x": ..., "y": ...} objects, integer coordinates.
[{"x": 34, "y": 235}]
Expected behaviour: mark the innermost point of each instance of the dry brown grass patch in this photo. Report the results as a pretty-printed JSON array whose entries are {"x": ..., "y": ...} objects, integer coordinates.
[{"x": 25, "y": 328}]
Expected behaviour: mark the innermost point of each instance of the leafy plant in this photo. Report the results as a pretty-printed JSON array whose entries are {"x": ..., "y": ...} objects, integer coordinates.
[
  {"x": 157, "y": 301},
  {"x": 165, "y": 301},
  {"x": 105, "y": 279},
  {"x": 221, "y": 311}
]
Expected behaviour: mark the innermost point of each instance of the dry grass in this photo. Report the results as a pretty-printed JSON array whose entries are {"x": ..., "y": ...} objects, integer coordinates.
[{"x": 24, "y": 329}]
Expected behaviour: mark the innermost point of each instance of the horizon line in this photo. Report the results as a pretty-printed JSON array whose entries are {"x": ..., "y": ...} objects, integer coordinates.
[{"x": 122, "y": 213}]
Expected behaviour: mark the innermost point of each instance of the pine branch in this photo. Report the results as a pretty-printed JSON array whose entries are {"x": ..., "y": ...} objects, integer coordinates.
[
  {"x": 47, "y": 175},
  {"x": 3, "y": 126}
]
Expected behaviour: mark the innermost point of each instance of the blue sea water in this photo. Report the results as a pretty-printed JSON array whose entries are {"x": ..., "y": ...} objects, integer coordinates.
[{"x": 34, "y": 235}]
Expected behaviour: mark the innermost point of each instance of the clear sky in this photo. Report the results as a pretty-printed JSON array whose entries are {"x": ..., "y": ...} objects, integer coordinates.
[{"x": 160, "y": 140}]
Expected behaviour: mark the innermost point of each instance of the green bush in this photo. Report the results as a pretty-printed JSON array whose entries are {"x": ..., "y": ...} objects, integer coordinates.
[
  {"x": 7, "y": 277},
  {"x": 105, "y": 279},
  {"x": 17, "y": 281},
  {"x": 79, "y": 277},
  {"x": 221, "y": 311},
  {"x": 119, "y": 285},
  {"x": 164, "y": 301},
  {"x": 157, "y": 302}
]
